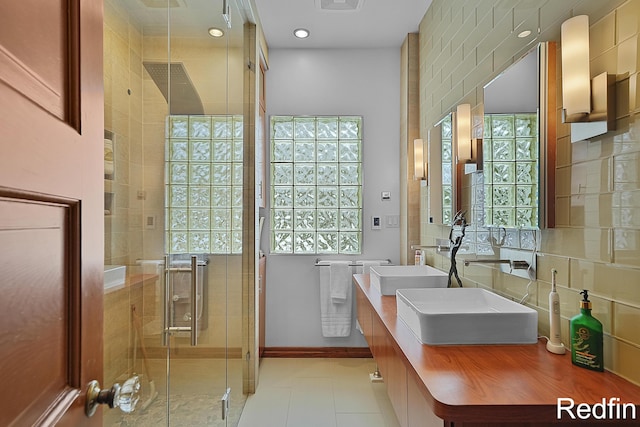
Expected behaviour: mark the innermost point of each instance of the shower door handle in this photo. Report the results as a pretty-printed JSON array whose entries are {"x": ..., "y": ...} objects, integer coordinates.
[
  {"x": 166, "y": 304},
  {"x": 194, "y": 300},
  {"x": 167, "y": 326}
]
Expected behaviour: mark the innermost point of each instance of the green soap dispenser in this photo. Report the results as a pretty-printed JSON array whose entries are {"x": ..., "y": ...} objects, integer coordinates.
[{"x": 586, "y": 338}]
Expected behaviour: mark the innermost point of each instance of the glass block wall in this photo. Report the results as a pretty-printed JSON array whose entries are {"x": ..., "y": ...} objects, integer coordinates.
[
  {"x": 510, "y": 150},
  {"x": 203, "y": 181},
  {"x": 447, "y": 171},
  {"x": 316, "y": 185}
]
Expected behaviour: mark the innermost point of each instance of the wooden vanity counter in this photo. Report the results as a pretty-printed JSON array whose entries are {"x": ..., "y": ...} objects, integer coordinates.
[{"x": 479, "y": 385}]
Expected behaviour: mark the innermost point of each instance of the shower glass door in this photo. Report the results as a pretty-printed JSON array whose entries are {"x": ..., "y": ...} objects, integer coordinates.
[{"x": 174, "y": 136}]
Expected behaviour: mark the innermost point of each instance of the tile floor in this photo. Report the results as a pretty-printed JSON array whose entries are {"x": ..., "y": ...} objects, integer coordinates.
[{"x": 318, "y": 392}]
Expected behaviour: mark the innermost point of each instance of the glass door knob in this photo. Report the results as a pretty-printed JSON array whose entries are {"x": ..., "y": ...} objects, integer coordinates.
[{"x": 123, "y": 396}]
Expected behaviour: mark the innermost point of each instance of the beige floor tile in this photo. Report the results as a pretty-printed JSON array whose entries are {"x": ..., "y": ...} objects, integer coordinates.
[
  {"x": 353, "y": 370},
  {"x": 312, "y": 403},
  {"x": 281, "y": 372},
  {"x": 318, "y": 392},
  {"x": 359, "y": 420},
  {"x": 355, "y": 399},
  {"x": 268, "y": 407}
]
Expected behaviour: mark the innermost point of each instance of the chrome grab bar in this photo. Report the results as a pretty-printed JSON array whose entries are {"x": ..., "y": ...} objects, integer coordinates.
[
  {"x": 179, "y": 329},
  {"x": 194, "y": 300},
  {"x": 351, "y": 264},
  {"x": 179, "y": 269}
]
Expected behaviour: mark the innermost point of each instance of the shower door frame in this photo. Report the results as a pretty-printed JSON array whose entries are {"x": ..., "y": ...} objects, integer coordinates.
[
  {"x": 247, "y": 260},
  {"x": 247, "y": 277}
]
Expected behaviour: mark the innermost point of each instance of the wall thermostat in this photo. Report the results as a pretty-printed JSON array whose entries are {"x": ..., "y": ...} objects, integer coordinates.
[
  {"x": 376, "y": 223},
  {"x": 386, "y": 195}
]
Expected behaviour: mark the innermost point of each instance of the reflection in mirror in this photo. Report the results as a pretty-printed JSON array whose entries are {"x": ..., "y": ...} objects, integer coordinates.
[
  {"x": 510, "y": 195},
  {"x": 510, "y": 147},
  {"x": 515, "y": 130},
  {"x": 448, "y": 177},
  {"x": 441, "y": 179}
]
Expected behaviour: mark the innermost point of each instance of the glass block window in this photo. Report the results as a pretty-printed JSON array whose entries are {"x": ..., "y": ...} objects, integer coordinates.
[
  {"x": 510, "y": 150},
  {"x": 447, "y": 171},
  {"x": 203, "y": 180},
  {"x": 316, "y": 185}
]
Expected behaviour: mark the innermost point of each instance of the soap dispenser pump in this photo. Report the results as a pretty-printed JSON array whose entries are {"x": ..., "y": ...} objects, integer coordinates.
[{"x": 586, "y": 337}]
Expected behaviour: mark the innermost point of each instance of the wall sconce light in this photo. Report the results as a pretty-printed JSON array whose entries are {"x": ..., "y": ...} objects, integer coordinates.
[
  {"x": 468, "y": 149},
  {"x": 463, "y": 133},
  {"x": 418, "y": 159},
  {"x": 588, "y": 104}
]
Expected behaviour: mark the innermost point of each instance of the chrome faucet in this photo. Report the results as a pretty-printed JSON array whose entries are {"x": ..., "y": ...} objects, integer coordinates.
[
  {"x": 515, "y": 265},
  {"x": 439, "y": 248}
]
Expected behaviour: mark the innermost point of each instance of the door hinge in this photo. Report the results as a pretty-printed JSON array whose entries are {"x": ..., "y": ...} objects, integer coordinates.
[
  {"x": 248, "y": 356},
  {"x": 225, "y": 403}
]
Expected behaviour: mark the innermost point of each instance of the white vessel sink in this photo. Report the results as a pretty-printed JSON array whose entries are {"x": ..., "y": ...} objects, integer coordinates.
[
  {"x": 114, "y": 276},
  {"x": 387, "y": 279},
  {"x": 466, "y": 316}
]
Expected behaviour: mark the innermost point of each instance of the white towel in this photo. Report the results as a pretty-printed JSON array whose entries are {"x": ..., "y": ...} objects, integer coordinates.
[
  {"x": 339, "y": 280},
  {"x": 108, "y": 157},
  {"x": 335, "y": 317}
]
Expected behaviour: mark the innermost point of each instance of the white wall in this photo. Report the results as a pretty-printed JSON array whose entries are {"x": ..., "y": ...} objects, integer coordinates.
[{"x": 362, "y": 82}]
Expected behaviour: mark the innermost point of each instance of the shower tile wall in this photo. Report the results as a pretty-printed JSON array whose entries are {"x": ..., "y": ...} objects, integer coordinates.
[
  {"x": 596, "y": 242},
  {"x": 123, "y": 117}
]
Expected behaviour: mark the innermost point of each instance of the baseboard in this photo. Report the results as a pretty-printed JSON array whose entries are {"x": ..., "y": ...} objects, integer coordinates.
[
  {"x": 329, "y": 352},
  {"x": 194, "y": 353}
]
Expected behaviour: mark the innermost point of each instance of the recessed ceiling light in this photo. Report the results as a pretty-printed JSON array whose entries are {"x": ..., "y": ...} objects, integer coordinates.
[
  {"x": 215, "y": 32},
  {"x": 525, "y": 33},
  {"x": 301, "y": 33}
]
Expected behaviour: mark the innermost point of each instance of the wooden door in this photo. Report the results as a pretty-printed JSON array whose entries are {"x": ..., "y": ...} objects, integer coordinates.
[{"x": 51, "y": 209}]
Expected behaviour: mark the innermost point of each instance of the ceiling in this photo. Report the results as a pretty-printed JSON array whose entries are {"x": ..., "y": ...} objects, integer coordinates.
[
  {"x": 185, "y": 18},
  {"x": 374, "y": 24}
]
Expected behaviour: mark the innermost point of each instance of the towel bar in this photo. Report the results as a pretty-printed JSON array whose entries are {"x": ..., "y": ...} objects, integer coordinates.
[{"x": 353, "y": 264}]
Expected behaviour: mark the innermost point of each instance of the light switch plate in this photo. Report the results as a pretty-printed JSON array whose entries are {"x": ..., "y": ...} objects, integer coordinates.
[{"x": 392, "y": 221}]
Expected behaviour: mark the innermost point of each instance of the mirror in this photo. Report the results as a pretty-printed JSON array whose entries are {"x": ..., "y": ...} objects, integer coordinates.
[
  {"x": 512, "y": 187},
  {"x": 441, "y": 177},
  {"x": 510, "y": 142}
]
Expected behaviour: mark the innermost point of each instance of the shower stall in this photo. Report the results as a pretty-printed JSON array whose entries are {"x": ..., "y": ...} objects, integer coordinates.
[{"x": 180, "y": 211}]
